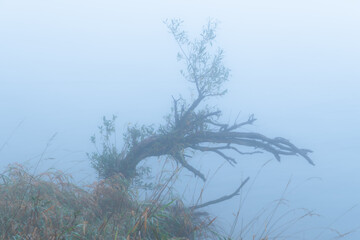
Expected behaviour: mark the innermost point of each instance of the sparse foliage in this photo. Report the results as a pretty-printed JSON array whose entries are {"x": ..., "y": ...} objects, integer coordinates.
[{"x": 104, "y": 160}]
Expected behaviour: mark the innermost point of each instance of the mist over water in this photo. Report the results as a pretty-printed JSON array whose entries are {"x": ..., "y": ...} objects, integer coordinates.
[{"x": 66, "y": 64}]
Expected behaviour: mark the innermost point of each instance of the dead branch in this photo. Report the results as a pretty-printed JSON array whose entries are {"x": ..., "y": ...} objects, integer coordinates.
[{"x": 223, "y": 198}]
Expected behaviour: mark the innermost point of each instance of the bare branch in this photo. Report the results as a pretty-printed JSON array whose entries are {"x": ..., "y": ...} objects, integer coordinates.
[
  {"x": 181, "y": 159},
  {"x": 244, "y": 153},
  {"x": 221, "y": 125},
  {"x": 176, "y": 114},
  {"x": 222, "y": 199},
  {"x": 216, "y": 150},
  {"x": 250, "y": 121}
]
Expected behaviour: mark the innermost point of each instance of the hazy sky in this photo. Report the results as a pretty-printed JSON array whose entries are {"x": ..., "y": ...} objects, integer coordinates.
[{"x": 294, "y": 64}]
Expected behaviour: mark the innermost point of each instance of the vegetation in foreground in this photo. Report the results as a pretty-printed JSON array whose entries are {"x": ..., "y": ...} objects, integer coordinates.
[{"x": 50, "y": 206}]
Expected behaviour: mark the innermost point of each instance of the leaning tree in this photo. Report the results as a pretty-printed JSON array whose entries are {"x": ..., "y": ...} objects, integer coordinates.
[{"x": 192, "y": 125}]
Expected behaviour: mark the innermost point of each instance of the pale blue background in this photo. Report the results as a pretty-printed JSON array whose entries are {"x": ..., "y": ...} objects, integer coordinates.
[{"x": 295, "y": 65}]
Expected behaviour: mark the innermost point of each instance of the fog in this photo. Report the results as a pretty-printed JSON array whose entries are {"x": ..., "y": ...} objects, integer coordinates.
[{"x": 294, "y": 64}]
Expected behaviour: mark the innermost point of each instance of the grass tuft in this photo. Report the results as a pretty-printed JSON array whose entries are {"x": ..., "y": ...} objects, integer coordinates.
[{"x": 50, "y": 206}]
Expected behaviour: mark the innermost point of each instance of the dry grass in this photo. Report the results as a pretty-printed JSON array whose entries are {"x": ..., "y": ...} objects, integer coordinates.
[{"x": 50, "y": 206}]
